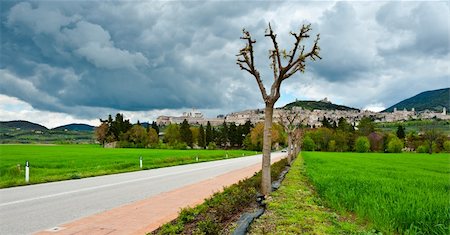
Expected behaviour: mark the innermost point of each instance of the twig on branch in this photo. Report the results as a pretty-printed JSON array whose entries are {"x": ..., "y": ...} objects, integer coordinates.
[{"x": 296, "y": 59}]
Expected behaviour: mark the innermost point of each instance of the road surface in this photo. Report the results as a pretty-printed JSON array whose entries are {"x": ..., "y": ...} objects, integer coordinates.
[{"x": 29, "y": 209}]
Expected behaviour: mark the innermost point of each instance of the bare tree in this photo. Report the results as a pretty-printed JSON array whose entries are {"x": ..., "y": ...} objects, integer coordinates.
[
  {"x": 296, "y": 61},
  {"x": 288, "y": 121},
  {"x": 297, "y": 140}
]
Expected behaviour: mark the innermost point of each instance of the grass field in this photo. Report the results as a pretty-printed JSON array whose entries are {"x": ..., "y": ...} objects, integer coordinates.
[
  {"x": 403, "y": 193},
  {"x": 295, "y": 208},
  {"x": 60, "y": 162}
]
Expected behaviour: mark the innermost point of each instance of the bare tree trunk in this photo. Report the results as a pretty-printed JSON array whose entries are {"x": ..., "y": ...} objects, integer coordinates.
[
  {"x": 266, "y": 183},
  {"x": 290, "y": 148}
]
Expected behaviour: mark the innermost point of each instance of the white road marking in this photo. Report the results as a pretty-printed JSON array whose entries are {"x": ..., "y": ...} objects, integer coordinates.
[{"x": 109, "y": 185}]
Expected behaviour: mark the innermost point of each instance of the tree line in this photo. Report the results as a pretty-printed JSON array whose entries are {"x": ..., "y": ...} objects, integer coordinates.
[
  {"x": 365, "y": 137},
  {"x": 183, "y": 136}
]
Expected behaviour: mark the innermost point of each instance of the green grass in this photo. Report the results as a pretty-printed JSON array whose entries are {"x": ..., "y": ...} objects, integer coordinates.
[
  {"x": 403, "y": 193},
  {"x": 415, "y": 126},
  {"x": 61, "y": 162},
  {"x": 295, "y": 208}
]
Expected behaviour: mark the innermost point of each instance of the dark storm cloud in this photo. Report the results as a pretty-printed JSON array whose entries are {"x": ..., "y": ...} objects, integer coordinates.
[
  {"x": 77, "y": 57},
  {"x": 130, "y": 56}
]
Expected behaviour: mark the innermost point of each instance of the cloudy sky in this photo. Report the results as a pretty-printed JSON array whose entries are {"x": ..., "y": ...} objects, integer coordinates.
[{"x": 77, "y": 61}]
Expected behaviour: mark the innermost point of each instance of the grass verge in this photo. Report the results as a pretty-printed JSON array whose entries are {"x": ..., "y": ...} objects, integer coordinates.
[
  {"x": 218, "y": 213},
  {"x": 404, "y": 193},
  {"x": 295, "y": 208},
  {"x": 62, "y": 162}
]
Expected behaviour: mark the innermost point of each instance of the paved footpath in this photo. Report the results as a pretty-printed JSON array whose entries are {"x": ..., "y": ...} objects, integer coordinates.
[{"x": 135, "y": 203}]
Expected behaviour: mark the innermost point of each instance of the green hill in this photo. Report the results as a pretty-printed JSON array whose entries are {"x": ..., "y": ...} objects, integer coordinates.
[
  {"x": 22, "y": 125},
  {"x": 75, "y": 127},
  {"x": 319, "y": 105},
  {"x": 433, "y": 100}
]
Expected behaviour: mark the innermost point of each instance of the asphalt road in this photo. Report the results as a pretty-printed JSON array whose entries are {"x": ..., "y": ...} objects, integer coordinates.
[{"x": 29, "y": 209}]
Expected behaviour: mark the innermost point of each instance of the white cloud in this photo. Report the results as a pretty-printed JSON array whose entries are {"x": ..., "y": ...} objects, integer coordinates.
[
  {"x": 12, "y": 108},
  {"x": 378, "y": 107}
]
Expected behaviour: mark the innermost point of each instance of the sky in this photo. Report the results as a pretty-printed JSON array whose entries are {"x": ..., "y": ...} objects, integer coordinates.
[{"x": 77, "y": 61}]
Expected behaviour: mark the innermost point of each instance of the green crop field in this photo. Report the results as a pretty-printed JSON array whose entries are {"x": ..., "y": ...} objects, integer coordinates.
[
  {"x": 60, "y": 162},
  {"x": 403, "y": 193}
]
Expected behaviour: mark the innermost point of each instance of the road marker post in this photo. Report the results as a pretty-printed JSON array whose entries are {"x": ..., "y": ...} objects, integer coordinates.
[
  {"x": 27, "y": 172},
  {"x": 196, "y": 158},
  {"x": 140, "y": 162}
]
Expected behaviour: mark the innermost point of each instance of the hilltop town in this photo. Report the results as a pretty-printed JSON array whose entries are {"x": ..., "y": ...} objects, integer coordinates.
[{"x": 310, "y": 118}]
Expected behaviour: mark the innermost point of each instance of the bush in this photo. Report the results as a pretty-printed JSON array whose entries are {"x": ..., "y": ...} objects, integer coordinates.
[
  {"x": 422, "y": 149},
  {"x": 212, "y": 146},
  {"x": 395, "y": 145},
  {"x": 332, "y": 146},
  {"x": 362, "y": 144},
  {"x": 447, "y": 146},
  {"x": 308, "y": 144},
  {"x": 180, "y": 146}
]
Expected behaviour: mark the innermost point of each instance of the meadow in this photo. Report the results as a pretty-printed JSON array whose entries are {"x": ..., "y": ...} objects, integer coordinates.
[
  {"x": 405, "y": 193},
  {"x": 62, "y": 162}
]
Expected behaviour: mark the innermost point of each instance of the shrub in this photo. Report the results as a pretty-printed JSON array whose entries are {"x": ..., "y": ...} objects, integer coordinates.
[
  {"x": 362, "y": 144},
  {"x": 308, "y": 144},
  {"x": 332, "y": 146},
  {"x": 422, "y": 149},
  {"x": 447, "y": 146},
  {"x": 395, "y": 145},
  {"x": 212, "y": 146}
]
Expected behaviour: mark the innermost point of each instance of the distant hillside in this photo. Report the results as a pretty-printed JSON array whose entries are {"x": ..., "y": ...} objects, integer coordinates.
[
  {"x": 319, "y": 105},
  {"x": 75, "y": 127},
  {"x": 432, "y": 100},
  {"x": 23, "y": 125}
]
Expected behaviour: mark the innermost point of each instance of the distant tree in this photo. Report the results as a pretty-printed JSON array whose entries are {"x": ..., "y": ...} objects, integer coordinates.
[
  {"x": 413, "y": 140},
  {"x": 332, "y": 146},
  {"x": 201, "y": 137},
  {"x": 447, "y": 146},
  {"x": 362, "y": 144},
  {"x": 321, "y": 137},
  {"x": 296, "y": 62},
  {"x": 342, "y": 139},
  {"x": 155, "y": 127},
  {"x": 195, "y": 133},
  {"x": 233, "y": 135},
  {"x": 366, "y": 126},
  {"x": 119, "y": 125},
  {"x": 401, "y": 132},
  {"x": 343, "y": 125},
  {"x": 431, "y": 134},
  {"x": 289, "y": 121},
  {"x": 395, "y": 145},
  {"x": 223, "y": 136},
  {"x": 186, "y": 133},
  {"x": 376, "y": 142},
  {"x": 208, "y": 133},
  {"x": 326, "y": 123},
  {"x": 153, "y": 138},
  {"x": 137, "y": 136},
  {"x": 308, "y": 144},
  {"x": 172, "y": 134},
  {"x": 101, "y": 133}
]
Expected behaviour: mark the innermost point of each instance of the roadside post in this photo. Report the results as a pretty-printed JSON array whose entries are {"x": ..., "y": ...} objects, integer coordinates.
[
  {"x": 196, "y": 158},
  {"x": 27, "y": 172},
  {"x": 140, "y": 162}
]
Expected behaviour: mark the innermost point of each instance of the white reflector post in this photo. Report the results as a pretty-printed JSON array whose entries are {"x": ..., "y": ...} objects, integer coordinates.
[{"x": 27, "y": 172}]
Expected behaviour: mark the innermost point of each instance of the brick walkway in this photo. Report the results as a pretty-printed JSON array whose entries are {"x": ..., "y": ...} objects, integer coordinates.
[{"x": 147, "y": 215}]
